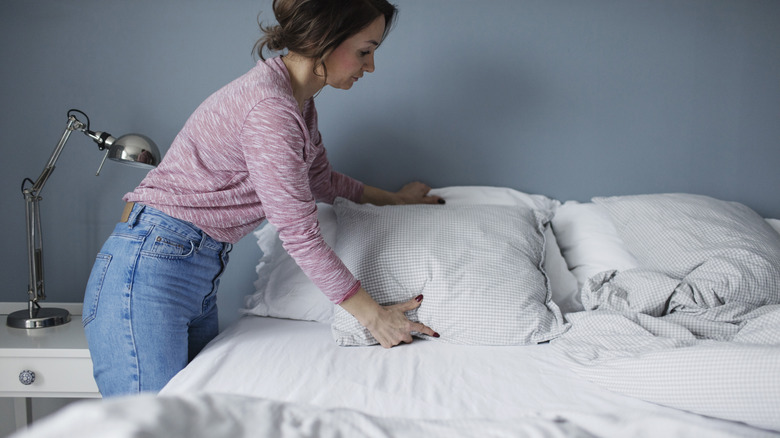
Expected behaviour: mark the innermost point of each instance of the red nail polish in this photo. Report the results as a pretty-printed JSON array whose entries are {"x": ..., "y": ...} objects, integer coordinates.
[
  {"x": 435, "y": 335},
  {"x": 418, "y": 298}
]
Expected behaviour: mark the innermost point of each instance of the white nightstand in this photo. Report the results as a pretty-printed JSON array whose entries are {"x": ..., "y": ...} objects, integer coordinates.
[{"x": 58, "y": 356}]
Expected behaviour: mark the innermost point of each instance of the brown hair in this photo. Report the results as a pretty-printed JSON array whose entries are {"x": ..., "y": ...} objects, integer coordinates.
[{"x": 313, "y": 28}]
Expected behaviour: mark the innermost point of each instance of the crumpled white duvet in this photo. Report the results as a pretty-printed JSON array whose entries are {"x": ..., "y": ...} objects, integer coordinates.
[
  {"x": 720, "y": 360},
  {"x": 222, "y": 415}
]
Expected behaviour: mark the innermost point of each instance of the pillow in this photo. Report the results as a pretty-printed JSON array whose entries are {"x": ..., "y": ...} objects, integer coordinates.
[
  {"x": 563, "y": 284},
  {"x": 675, "y": 232},
  {"x": 589, "y": 242},
  {"x": 775, "y": 223},
  {"x": 282, "y": 290},
  {"x": 564, "y": 287},
  {"x": 483, "y": 195},
  {"x": 689, "y": 236},
  {"x": 479, "y": 268}
]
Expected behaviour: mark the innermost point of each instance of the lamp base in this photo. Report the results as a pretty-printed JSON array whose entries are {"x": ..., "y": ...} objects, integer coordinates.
[{"x": 38, "y": 317}]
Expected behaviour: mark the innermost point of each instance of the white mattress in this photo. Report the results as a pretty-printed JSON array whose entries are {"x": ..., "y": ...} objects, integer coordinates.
[{"x": 297, "y": 361}]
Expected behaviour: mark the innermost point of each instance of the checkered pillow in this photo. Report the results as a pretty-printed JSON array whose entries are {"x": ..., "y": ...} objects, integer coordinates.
[
  {"x": 724, "y": 247},
  {"x": 479, "y": 268}
]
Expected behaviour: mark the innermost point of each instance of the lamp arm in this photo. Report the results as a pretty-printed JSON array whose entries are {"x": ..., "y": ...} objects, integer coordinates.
[
  {"x": 32, "y": 196},
  {"x": 73, "y": 125},
  {"x": 35, "y": 288}
]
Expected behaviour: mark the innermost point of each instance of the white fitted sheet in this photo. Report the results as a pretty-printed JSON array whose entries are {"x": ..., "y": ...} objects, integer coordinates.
[{"x": 297, "y": 361}]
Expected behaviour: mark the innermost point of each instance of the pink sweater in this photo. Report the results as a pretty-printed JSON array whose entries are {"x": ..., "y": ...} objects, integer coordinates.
[{"x": 247, "y": 154}]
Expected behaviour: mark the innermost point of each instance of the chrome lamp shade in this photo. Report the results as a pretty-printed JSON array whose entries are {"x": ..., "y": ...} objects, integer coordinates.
[{"x": 133, "y": 149}]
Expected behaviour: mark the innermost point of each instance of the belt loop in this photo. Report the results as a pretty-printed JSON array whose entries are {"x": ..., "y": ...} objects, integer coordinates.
[
  {"x": 203, "y": 238},
  {"x": 224, "y": 255},
  {"x": 133, "y": 216}
]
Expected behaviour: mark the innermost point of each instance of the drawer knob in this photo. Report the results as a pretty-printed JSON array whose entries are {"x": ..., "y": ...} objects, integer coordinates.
[{"x": 27, "y": 377}]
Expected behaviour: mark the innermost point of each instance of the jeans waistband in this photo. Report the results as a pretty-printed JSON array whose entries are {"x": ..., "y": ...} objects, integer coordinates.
[{"x": 136, "y": 213}]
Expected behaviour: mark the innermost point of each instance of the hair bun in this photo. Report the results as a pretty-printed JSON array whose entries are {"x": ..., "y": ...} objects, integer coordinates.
[
  {"x": 275, "y": 38},
  {"x": 312, "y": 28}
]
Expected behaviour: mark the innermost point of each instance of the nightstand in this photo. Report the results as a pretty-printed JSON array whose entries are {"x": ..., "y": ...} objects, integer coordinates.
[{"x": 45, "y": 362}]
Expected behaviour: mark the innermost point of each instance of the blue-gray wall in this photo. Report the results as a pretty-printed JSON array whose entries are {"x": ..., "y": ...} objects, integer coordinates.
[{"x": 568, "y": 98}]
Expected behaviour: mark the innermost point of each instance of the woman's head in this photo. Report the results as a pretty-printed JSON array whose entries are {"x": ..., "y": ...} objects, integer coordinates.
[{"x": 313, "y": 28}]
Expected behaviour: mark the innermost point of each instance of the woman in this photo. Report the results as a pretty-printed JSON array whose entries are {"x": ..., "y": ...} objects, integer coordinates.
[{"x": 252, "y": 151}]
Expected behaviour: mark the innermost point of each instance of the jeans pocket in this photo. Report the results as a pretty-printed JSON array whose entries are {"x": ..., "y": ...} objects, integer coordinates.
[
  {"x": 94, "y": 287},
  {"x": 163, "y": 243}
]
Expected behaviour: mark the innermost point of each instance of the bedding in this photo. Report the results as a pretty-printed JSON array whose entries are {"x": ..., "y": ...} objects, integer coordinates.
[
  {"x": 284, "y": 291},
  {"x": 277, "y": 378},
  {"x": 673, "y": 329},
  {"x": 696, "y": 325},
  {"x": 589, "y": 242},
  {"x": 687, "y": 358},
  {"x": 222, "y": 415},
  {"x": 226, "y": 415},
  {"x": 662, "y": 361},
  {"x": 675, "y": 233},
  {"x": 774, "y": 223},
  {"x": 711, "y": 266},
  {"x": 479, "y": 268}
]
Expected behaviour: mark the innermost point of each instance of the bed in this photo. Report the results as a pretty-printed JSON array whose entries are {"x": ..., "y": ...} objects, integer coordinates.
[{"x": 646, "y": 315}]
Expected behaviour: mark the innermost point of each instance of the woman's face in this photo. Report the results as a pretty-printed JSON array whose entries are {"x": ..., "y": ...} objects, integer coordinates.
[{"x": 355, "y": 56}]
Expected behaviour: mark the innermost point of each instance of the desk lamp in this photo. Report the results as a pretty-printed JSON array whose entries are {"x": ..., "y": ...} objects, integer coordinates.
[{"x": 133, "y": 149}]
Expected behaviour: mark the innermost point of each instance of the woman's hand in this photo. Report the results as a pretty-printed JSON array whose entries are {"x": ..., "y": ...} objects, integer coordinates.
[
  {"x": 388, "y": 324},
  {"x": 416, "y": 193},
  {"x": 412, "y": 193}
]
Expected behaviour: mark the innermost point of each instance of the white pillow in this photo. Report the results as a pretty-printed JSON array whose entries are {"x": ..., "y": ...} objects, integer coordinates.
[
  {"x": 694, "y": 237},
  {"x": 589, "y": 242},
  {"x": 284, "y": 291},
  {"x": 775, "y": 223},
  {"x": 563, "y": 284},
  {"x": 484, "y": 195},
  {"x": 479, "y": 268},
  {"x": 676, "y": 232}
]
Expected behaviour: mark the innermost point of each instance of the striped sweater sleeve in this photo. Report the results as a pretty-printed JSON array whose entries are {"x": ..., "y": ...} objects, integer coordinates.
[
  {"x": 276, "y": 153},
  {"x": 326, "y": 183}
]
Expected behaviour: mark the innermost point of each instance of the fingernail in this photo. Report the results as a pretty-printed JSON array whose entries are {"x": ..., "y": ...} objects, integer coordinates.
[
  {"x": 418, "y": 298},
  {"x": 442, "y": 201},
  {"x": 435, "y": 335}
]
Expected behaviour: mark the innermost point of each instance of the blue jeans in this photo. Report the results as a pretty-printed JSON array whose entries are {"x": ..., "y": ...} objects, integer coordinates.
[{"x": 150, "y": 303}]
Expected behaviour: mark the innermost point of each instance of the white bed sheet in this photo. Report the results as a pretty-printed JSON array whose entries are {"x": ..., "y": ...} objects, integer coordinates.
[{"x": 297, "y": 361}]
